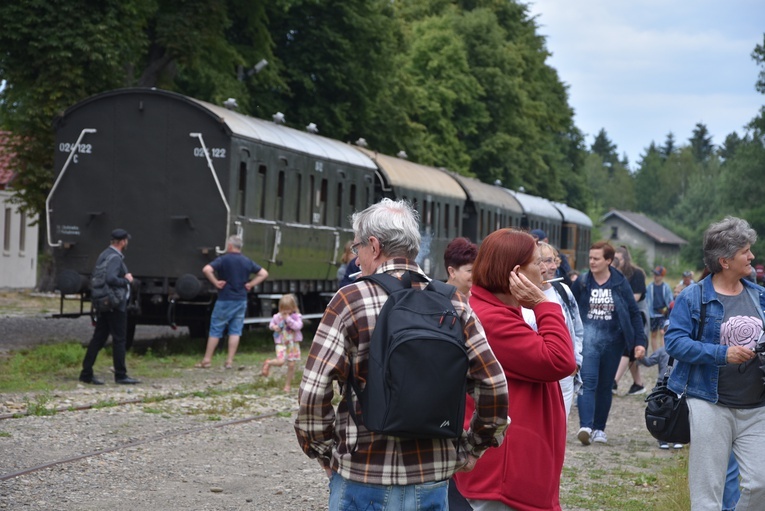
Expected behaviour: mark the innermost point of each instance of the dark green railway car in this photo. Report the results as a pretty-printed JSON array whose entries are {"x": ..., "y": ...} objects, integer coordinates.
[{"x": 181, "y": 175}]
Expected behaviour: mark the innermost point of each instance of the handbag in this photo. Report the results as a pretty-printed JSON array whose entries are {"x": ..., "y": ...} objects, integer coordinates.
[{"x": 666, "y": 413}]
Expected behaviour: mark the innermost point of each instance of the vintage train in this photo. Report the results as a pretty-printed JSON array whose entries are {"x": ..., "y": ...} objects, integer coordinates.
[{"x": 181, "y": 175}]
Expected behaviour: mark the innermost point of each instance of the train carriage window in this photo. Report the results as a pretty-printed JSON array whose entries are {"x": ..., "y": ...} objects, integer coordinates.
[
  {"x": 614, "y": 232},
  {"x": 312, "y": 199},
  {"x": 457, "y": 221},
  {"x": 242, "y": 189},
  {"x": 435, "y": 224},
  {"x": 321, "y": 201},
  {"x": 352, "y": 199},
  {"x": 279, "y": 206},
  {"x": 298, "y": 195},
  {"x": 7, "y": 231},
  {"x": 446, "y": 221},
  {"x": 339, "y": 205},
  {"x": 426, "y": 216},
  {"x": 261, "y": 201}
]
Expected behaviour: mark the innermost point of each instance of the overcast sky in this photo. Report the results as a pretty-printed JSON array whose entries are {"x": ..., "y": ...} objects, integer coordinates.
[{"x": 643, "y": 68}]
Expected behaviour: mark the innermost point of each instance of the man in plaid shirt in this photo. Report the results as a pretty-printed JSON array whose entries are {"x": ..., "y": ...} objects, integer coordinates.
[{"x": 365, "y": 467}]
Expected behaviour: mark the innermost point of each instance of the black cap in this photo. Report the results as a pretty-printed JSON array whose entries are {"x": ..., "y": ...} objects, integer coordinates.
[{"x": 120, "y": 234}]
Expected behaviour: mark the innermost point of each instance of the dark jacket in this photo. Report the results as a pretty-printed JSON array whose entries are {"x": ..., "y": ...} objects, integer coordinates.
[
  {"x": 627, "y": 312},
  {"x": 115, "y": 274}
]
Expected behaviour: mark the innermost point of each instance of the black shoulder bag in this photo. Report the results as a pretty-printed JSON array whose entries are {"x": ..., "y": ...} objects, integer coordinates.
[{"x": 666, "y": 413}]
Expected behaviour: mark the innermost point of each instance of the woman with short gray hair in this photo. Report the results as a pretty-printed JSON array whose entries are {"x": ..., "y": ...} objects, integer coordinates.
[{"x": 719, "y": 370}]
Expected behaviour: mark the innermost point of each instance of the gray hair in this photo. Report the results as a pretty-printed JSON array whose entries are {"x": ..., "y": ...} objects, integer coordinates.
[
  {"x": 236, "y": 242},
  {"x": 724, "y": 239},
  {"x": 394, "y": 223}
]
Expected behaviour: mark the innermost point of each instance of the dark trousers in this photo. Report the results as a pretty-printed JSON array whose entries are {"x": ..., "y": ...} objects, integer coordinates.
[{"x": 114, "y": 323}]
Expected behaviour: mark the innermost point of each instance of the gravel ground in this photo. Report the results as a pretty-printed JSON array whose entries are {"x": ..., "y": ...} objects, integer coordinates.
[{"x": 148, "y": 463}]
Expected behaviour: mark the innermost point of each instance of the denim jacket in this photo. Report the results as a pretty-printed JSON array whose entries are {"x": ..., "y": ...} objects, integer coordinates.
[
  {"x": 696, "y": 369},
  {"x": 665, "y": 291},
  {"x": 627, "y": 312}
]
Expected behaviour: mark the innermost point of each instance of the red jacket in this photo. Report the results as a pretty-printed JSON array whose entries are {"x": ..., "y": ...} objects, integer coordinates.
[{"x": 524, "y": 472}]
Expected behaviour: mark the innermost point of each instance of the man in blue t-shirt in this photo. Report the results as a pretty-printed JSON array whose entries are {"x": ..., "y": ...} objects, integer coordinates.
[{"x": 230, "y": 274}]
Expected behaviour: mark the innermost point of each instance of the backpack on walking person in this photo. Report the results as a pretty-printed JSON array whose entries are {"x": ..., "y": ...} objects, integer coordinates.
[{"x": 418, "y": 363}]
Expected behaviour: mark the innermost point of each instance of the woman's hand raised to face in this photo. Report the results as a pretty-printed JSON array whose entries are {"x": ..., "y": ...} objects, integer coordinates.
[{"x": 524, "y": 291}]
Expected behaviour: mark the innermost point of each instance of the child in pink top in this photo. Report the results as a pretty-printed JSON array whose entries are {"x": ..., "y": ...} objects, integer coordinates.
[{"x": 286, "y": 325}]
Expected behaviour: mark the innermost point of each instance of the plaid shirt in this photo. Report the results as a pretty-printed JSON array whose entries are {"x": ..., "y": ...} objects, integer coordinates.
[{"x": 360, "y": 455}]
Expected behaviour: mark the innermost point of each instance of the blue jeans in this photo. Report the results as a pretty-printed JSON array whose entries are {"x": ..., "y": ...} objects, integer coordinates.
[
  {"x": 346, "y": 495},
  {"x": 600, "y": 360},
  {"x": 732, "y": 493}
]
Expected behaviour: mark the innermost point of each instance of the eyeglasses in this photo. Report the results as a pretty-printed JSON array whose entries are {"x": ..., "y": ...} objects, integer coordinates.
[
  {"x": 355, "y": 248},
  {"x": 548, "y": 260}
]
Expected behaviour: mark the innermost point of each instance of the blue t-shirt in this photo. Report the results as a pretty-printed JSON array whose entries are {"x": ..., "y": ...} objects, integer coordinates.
[
  {"x": 235, "y": 269},
  {"x": 601, "y": 325}
]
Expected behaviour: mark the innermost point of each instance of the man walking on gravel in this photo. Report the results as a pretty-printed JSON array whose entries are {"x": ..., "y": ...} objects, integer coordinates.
[
  {"x": 389, "y": 472},
  {"x": 117, "y": 278}
]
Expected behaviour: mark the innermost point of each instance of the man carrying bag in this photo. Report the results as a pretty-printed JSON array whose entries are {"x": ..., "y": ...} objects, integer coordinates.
[{"x": 111, "y": 318}]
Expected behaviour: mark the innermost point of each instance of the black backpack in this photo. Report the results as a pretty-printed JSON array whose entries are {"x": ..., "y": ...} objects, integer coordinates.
[
  {"x": 418, "y": 364},
  {"x": 103, "y": 297}
]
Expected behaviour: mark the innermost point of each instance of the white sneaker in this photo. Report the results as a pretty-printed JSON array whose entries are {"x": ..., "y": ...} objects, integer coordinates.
[
  {"x": 599, "y": 436},
  {"x": 663, "y": 445},
  {"x": 677, "y": 446},
  {"x": 584, "y": 435}
]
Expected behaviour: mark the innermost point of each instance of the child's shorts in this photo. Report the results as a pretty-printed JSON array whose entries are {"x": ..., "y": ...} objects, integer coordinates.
[{"x": 290, "y": 351}]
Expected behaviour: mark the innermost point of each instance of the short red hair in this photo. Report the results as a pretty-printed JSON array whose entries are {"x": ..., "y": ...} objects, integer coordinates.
[{"x": 499, "y": 253}]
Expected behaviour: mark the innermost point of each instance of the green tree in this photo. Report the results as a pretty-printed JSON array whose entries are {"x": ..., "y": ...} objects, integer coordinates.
[
  {"x": 730, "y": 146},
  {"x": 758, "y": 55},
  {"x": 604, "y": 147},
  {"x": 701, "y": 143},
  {"x": 611, "y": 185},
  {"x": 54, "y": 54},
  {"x": 669, "y": 146},
  {"x": 334, "y": 58},
  {"x": 648, "y": 181}
]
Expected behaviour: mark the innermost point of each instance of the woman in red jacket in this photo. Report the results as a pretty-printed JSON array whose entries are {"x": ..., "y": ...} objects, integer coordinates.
[{"x": 522, "y": 474}]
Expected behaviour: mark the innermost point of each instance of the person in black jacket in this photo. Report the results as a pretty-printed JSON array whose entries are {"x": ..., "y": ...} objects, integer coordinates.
[{"x": 112, "y": 322}]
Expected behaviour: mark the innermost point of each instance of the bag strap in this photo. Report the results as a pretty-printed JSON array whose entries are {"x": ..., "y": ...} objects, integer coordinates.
[
  {"x": 564, "y": 295},
  {"x": 700, "y": 331}
]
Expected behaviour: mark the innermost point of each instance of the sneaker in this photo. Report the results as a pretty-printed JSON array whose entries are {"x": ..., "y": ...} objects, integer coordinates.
[
  {"x": 636, "y": 389},
  {"x": 584, "y": 435},
  {"x": 615, "y": 388},
  {"x": 663, "y": 445},
  {"x": 599, "y": 436},
  {"x": 677, "y": 446}
]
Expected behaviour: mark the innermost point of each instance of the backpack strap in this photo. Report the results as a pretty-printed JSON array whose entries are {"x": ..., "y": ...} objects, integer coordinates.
[{"x": 563, "y": 294}]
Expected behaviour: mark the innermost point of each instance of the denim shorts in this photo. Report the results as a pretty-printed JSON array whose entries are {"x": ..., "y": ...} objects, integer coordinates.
[
  {"x": 227, "y": 313},
  {"x": 346, "y": 495}
]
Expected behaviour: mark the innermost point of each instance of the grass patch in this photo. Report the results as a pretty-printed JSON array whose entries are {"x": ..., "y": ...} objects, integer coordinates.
[
  {"x": 5, "y": 434},
  {"x": 630, "y": 487},
  {"x": 38, "y": 406},
  {"x": 57, "y": 366}
]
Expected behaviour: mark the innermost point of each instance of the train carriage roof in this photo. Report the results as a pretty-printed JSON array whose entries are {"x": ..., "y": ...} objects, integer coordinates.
[
  {"x": 484, "y": 193},
  {"x": 283, "y": 136},
  {"x": 406, "y": 174},
  {"x": 267, "y": 132},
  {"x": 571, "y": 215},
  {"x": 538, "y": 206}
]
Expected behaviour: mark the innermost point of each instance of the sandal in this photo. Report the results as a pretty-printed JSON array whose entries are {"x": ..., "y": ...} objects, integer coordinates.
[
  {"x": 228, "y": 366},
  {"x": 203, "y": 365},
  {"x": 266, "y": 369}
]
